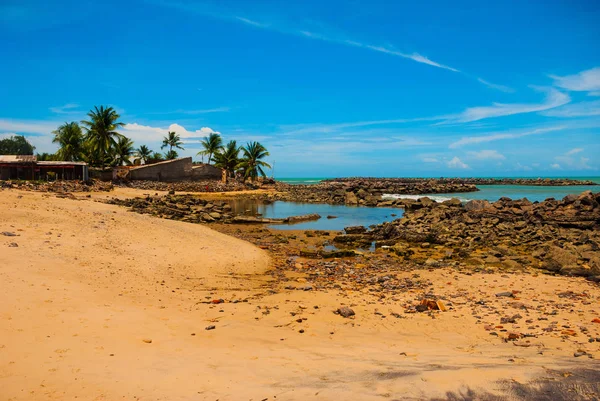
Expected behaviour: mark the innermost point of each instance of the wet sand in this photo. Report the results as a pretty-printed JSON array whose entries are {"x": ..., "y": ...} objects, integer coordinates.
[{"x": 99, "y": 303}]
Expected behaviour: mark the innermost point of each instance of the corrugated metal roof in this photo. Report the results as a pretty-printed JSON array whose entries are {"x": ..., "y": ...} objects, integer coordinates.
[
  {"x": 60, "y": 163},
  {"x": 160, "y": 163},
  {"x": 17, "y": 158}
]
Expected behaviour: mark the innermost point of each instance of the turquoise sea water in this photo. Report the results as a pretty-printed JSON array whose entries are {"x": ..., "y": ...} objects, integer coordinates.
[{"x": 495, "y": 192}]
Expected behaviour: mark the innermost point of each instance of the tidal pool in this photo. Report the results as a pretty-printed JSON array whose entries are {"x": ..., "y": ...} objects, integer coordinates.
[{"x": 345, "y": 216}]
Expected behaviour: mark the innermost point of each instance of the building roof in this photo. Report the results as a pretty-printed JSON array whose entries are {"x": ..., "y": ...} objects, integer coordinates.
[
  {"x": 61, "y": 163},
  {"x": 17, "y": 158},
  {"x": 160, "y": 163}
]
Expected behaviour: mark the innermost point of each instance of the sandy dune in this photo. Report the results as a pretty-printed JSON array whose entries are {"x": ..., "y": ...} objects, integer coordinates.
[{"x": 88, "y": 283}]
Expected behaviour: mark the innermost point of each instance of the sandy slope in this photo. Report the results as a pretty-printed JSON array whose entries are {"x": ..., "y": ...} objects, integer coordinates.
[{"x": 89, "y": 282}]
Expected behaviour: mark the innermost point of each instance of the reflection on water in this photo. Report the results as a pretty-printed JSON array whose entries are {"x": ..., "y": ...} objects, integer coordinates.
[{"x": 345, "y": 216}]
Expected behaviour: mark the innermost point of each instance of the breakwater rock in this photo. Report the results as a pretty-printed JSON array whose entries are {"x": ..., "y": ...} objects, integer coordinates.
[
  {"x": 362, "y": 191},
  {"x": 559, "y": 236},
  {"x": 469, "y": 181}
]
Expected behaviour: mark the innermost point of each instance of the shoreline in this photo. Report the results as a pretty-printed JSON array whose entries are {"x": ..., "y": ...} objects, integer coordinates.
[{"x": 140, "y": 278}]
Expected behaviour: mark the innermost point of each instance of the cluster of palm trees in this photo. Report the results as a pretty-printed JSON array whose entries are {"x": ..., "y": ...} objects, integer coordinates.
[
  {"x": 97, "y": 142},
  {"x": 227, "y": 157}
]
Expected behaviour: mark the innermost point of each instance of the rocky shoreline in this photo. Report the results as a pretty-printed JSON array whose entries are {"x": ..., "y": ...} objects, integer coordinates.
[
  {"x": 193, "y": 209},
  {"x": 556, "y": 236}
]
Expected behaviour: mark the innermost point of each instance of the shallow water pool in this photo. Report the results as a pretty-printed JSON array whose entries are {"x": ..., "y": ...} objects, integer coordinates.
[{"x": 345, "y": 215}]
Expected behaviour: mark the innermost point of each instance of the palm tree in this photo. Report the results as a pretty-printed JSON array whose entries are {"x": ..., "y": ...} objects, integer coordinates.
[
  {"x": 251, "y": 161},
  {"x": 228, "y": 158},
  {"x": 172, "y": 140},
  {"x": 101, "y": 133},
  {"x": 123, "y": 151},
  {"x": 212, "y": 144},
  {"x": 171, "y": 155},
  {"x": 70, "y": 140},
  {"x": 45, "y": 157},
  {"x": 143, "y": 153},
  {"x": 155, "y": 158}
]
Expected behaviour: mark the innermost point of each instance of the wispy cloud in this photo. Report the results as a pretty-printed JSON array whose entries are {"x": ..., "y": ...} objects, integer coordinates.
[
  {"x": 293, "y": 28},
  {"x": 299, "y": 129},
  {"x": 471, "y": 140},
  {"x": 501, "y": 88},
  {"x": 574, "y": 151},
  {"x": 68, "y": 108},
  {"x": 581, "y": 109},
  {"x": 554, "y": 98},
  {"x": 195, "y": 112},
  {"x": 251, "y": 22},
  {"x": 457, "y": 164},
  {"x": 569, "y": 160},
  {"x": 486, "y": 155},
  {"x": 588, "y": 80},
  {"x": 430, "y": 160}
]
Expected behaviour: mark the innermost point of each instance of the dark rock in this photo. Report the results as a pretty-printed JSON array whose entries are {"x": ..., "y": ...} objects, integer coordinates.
[
  {"x": 345, "y": 311},
  {"x": 355, "y": 230}
]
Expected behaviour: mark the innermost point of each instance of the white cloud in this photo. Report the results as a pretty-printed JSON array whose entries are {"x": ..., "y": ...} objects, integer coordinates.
[
  {"x": 430, "y": 160},
  {"x": 501, "y": 135},
  {"x": 501, "y": 88},
  {"x": 28, "y": 126},
  {"x": 486, "y": 155},
  {"x": 65, "y": 109},
  {"x": 414, "y": 56},
  {"x": 597, "y": 93},
  {"x": 555, "y": 166},
  {"x": 588, "y": 80},
  {"x": 553, "y": 99},
  {"x": 576, "y": 163},
  {"x": 522, "y": 167},
  {"x": 251, "y": 22},
  {"x": 457, "y": 163},
  {"x": 581, "y": 109},
  {"x": 139, "y": 132},
  {"x": 574, "y": 151}
]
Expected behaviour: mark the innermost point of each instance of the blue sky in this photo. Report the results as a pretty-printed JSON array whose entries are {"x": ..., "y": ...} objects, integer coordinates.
[{"x": 331, "y": 88}]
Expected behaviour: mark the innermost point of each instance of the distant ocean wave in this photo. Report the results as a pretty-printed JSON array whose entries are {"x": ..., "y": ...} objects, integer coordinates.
[
  {"x": 436, "y": 198},
  {"x": 299, "y": 181}
]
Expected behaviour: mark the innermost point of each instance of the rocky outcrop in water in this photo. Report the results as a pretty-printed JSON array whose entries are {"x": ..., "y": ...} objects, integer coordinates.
[
  {"x": 193, "y": 209},
  {"x": 361, "y": 191},
  {"x": 561, "y": 236}
]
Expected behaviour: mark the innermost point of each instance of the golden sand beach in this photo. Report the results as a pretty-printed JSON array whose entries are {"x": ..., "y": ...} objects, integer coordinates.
[{"x": 99, "y": 303}]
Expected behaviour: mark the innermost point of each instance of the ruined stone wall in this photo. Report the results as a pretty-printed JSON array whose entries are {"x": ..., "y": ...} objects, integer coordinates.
[
  {"x": 171, "y": 170},
  {"x": 206, "y": 172}
]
